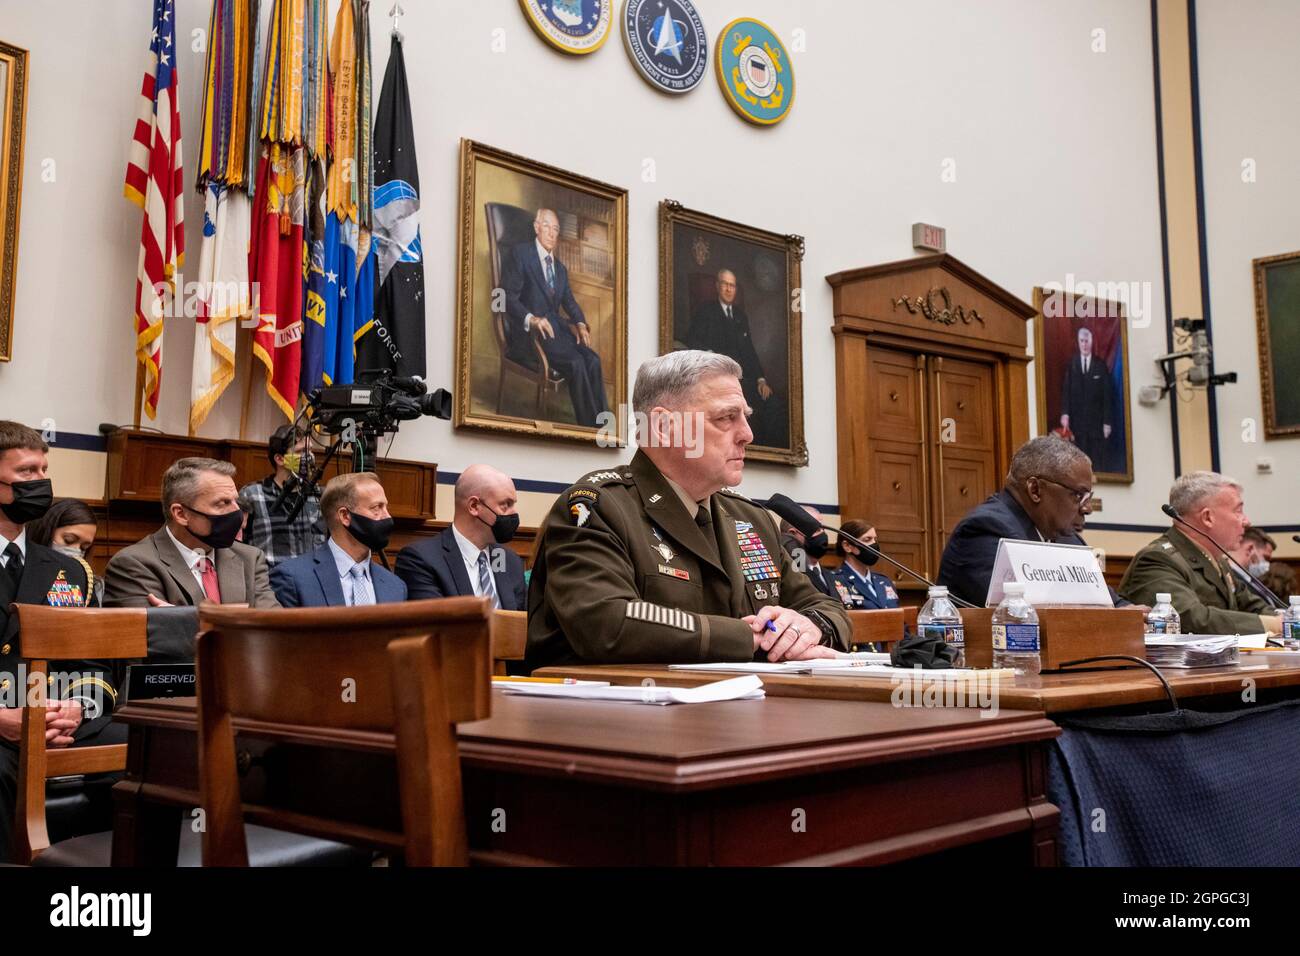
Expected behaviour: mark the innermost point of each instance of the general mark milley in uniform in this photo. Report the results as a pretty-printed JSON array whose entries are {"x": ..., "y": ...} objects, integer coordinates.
[{"x": 658, "y": 561}]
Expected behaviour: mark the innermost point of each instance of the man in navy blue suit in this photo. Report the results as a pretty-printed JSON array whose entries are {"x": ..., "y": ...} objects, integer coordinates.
[
  {"x": 340, "y": 572},
  {"x": 1047, "y": 497},
  {"x": 538, "y": 297},
  {"x": 469, "y": 558}
]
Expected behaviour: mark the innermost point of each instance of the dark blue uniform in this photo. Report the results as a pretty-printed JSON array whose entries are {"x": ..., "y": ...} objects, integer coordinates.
[{"x": 864, "y": 594}]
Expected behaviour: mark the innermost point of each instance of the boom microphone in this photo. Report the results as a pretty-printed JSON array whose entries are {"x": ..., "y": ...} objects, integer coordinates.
[
  {"x": 1173, "y": 513},
  {"x": 807, "y": 525}
]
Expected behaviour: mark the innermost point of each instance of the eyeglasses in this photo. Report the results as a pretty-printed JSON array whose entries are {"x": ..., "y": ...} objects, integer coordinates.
[{"x": 1081, "y": 498}]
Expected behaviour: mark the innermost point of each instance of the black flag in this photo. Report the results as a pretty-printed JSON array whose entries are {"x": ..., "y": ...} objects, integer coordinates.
[{"x": 395, "y": 339}]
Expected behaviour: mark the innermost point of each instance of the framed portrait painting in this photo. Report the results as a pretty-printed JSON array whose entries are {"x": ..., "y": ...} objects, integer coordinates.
[
  {"x": 541, "y": 331},
  {"x": 13, "y": 111},
  {"x": 1081, "y": 371},
  {"x": 1277, "y": 319},
  {"x": 734, "y": 289}
]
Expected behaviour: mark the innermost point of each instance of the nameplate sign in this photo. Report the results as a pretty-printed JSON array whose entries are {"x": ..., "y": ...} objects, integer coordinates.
[
  {"x": 1051, "y": 574},
  {"x": 151, "y": 681}
]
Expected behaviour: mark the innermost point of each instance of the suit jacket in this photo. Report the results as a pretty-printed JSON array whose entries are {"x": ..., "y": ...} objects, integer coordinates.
[
  {"x": 1086, "y": 398},
  {"x": 972, "y": 549},
  {"x": 712, "y": 331},
  {"x": 53, "y": 578},
  {"x": 527, "y": 293},
  {"x": 312, "y": 580},
  {"x": 1206, "y": 594},
  {"x": 821, "y": 579},
  {"x": 434, "y": 568},
  {"x": 154, "y": 566}
]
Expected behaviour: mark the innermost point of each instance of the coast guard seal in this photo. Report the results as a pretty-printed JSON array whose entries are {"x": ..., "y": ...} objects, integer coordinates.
[
  {"x": 665, "y": 40},
  {"x": 754, "y": 71}
]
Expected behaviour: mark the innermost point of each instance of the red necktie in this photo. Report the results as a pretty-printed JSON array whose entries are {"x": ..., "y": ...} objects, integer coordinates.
[{"x": 210, "y": 586}]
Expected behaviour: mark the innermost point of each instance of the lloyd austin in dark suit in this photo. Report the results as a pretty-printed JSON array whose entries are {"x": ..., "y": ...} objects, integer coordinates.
[
  {"x": 721, "y": 325},
  {"x": 538, "y": 297},
  {"x": 1086, "y": 402}
]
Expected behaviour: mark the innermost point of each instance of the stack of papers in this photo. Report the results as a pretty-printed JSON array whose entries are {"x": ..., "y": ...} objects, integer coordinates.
[
  {"x": 1192, "y": 650},
  {"x": 737, "y": 688},
  {"x": 860, "y": 664}
]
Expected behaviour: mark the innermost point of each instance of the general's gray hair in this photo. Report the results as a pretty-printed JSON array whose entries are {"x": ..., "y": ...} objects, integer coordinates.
[
  {"x": 181, "y": 481},
  {"x": 1045, "y": 457},
  {"x": 669, "y": 379},
  {"x": 1194, "y": 487}
]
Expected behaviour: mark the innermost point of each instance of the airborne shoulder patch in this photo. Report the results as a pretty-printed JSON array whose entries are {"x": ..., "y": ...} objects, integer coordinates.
[{"x": 581, "y": 501}]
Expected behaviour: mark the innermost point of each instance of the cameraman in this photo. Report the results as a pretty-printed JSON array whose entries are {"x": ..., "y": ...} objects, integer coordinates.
[{"x": 268, "y": 526}]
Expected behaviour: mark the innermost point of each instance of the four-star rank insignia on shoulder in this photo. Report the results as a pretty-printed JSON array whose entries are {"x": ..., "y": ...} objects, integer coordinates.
[{"x": 581, "y": 501}]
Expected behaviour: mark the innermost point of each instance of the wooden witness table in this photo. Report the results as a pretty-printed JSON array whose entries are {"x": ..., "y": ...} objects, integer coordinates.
[
  {"x": 1275, "y": 676},
  {"x": 593, "y": 783}
]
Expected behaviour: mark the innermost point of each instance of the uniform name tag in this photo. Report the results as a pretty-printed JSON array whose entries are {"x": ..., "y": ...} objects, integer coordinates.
[{"x": 680, "y": 573}]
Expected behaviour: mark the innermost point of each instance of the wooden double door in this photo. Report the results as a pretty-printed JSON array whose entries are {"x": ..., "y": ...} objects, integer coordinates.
[{"x": 930, "y": 449}]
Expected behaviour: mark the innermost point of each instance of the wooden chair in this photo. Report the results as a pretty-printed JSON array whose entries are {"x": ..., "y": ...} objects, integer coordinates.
[
  {"x": 507, "y": 226},
  {"x": 54, "y": 634},
  {"x": 344, "y": 677},
  {"x": 509, "y": 638},
  {"x": 881, "y": 626}
]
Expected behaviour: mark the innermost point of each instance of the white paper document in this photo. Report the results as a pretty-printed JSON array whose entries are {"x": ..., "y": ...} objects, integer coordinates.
[
  {"x": 785, "y": 667},
  {"x": 748, "y": 687}
]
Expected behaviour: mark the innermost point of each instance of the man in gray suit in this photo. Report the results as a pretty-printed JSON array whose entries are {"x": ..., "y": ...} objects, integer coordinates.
[{"x": 193, "y": 557}]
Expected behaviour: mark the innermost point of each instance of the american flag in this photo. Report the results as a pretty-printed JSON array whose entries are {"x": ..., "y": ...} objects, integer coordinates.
[{"x": 155, "y": 183}]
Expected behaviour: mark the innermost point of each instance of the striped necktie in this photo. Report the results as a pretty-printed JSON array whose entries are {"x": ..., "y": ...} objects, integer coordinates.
[
  {"x": 486, "y": 585},
  {"x": 362, "y": 595}
]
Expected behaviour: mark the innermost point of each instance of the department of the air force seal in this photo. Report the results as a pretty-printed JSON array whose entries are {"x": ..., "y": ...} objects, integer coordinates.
[
  {"x": 571, "y": 26},
  {"x": 667, "y": 43},
  {"x": 755, "y": 71}
]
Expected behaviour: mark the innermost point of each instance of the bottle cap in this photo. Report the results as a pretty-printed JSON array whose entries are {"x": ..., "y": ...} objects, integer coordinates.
[
  {"x": 1295, "y": 600},
  {"x": 1162, "y": 598},
  {"x": 1015, "y": 588},
  {"x": 938, "y": 591}
]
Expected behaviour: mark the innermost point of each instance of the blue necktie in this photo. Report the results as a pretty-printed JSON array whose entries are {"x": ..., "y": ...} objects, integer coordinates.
[
  {"x": 550, "y": 273},
  {"x": 486, "y": 586},
  {"x": 362, "y": 596}
]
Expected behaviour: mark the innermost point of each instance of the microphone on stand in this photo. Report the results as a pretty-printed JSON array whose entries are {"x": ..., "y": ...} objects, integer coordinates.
[
  {"x": 1173, "y": 513},
  {"x": 807, "y": 525}
]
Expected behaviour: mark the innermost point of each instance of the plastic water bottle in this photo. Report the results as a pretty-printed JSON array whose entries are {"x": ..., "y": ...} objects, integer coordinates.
[
  {"x": 1015, "y": 631},
  {"x": 939, "y": 619},
  {"x": 1291, "y": 620},
  {"x": 1163, "y": 619}
]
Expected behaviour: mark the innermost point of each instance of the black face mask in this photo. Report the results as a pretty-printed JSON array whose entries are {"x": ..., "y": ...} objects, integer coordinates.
[
  {"x": 817, "y": 545},
  {"x": 31, "y": 500},
  {"x": 503, "y": 528},
  {"x": 223, "y": 529},
  {"x": 372, "y": 532},
  {"x": 868, "y": 558}
]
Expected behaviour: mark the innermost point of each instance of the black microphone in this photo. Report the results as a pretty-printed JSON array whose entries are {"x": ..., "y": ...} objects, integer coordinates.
[
  {"x": 1296, "y": 538},
  {"x": 1173, "y": 513},
  {"x": 807, "y": 525}
]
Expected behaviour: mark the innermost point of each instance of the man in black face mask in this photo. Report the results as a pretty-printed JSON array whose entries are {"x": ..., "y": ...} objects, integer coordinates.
[
  {"x": 194, "y": 556},
  {"x": 341, "y": 573},
  {"x": 80, "y": 705},
  {"x": 808, "y": 552},
  {"x": 468, "y": 558}
]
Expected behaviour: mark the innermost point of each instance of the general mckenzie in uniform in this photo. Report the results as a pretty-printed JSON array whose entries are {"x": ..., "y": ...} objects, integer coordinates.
[{"x": 657, "y": 561}]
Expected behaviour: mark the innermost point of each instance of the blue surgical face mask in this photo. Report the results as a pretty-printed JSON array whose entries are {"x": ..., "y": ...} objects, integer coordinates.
[{"x": 1258, "y": 568}]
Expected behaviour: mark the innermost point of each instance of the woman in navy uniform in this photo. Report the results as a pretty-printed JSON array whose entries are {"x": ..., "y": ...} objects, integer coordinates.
[{"x": 858, "y": 587}]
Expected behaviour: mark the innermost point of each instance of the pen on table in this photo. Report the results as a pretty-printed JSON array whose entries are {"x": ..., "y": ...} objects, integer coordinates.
[{"x": 535, "y": 680}]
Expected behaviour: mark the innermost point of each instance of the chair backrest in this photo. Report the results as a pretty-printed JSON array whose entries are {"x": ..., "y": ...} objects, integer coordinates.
[
  {"x": 332, "y": 677},
  {"x": 877, "y": 626},
  {"x": 509, "y": 638},
  {"x": 507, "y": 226},
  {"x": 56, "y": 634}
]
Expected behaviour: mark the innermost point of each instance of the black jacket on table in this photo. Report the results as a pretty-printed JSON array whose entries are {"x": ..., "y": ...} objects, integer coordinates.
[
  {"x": 972, "y": 548},
  {"x": 434, "y": 568}
]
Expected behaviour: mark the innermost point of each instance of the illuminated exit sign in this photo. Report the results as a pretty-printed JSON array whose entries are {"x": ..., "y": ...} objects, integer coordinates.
[{"x": 928, "y": 237}]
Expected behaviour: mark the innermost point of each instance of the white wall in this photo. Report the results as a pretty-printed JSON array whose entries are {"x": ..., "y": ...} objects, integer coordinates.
[
  {"x": 1054, "y": 147},
  {"x": 1250, "y": 97}
]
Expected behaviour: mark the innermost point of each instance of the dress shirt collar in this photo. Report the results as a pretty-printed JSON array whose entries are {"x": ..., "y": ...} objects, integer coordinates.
[
  {"x": 21, "y": 541},
  {"x": 692, "y": 506},
  {"x": 344, "y": 561},
  {"x": 191, "y": 556},
  {"x": 542, "y": 254},
  {"x": 469, "y": 551}
]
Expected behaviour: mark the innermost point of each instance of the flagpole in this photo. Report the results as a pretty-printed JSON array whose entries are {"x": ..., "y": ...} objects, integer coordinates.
[
  {"x": 139, "y": 392},
  {"x": 248, "y": 386}
]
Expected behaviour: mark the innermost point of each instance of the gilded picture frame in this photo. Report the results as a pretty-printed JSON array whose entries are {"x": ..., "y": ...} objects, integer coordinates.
[
  {"x": 512, "y": 377},
  {"x": 13, "y": 116},
  {"x": 1059, "y": 320},
  {"x": 756, "y": 316},
  {"x": 1277, "y": 325}
]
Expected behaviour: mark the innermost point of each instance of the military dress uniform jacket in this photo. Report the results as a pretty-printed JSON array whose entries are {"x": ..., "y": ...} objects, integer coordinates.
[
  {"x": 1205, "y": 593},
  {"x": 623, "y": 573},
  {"x": 55, "y": 579},
  {"x": 858, "y": 597}
]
